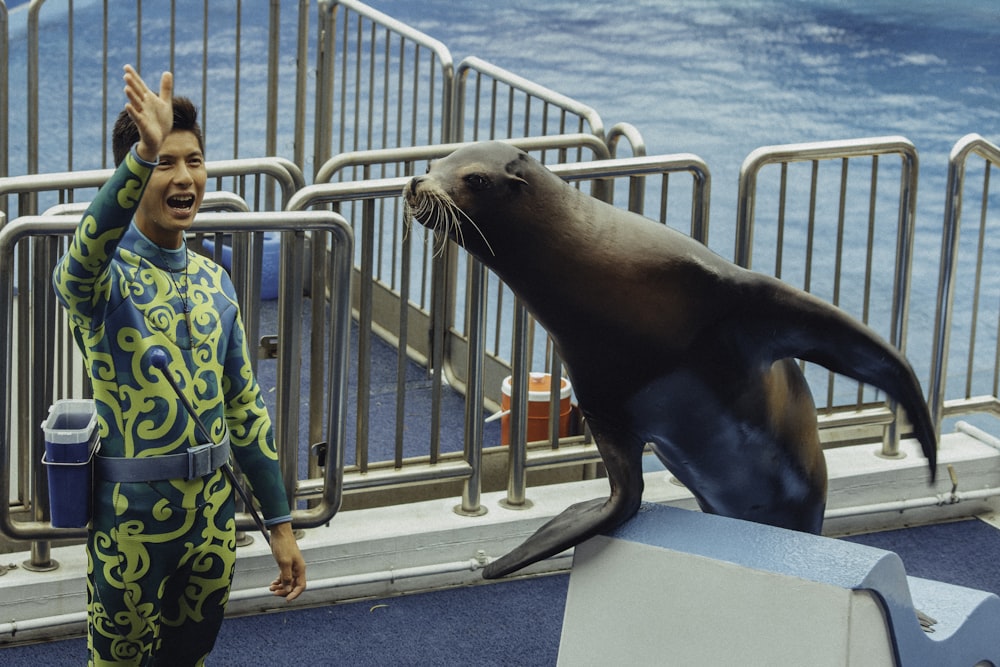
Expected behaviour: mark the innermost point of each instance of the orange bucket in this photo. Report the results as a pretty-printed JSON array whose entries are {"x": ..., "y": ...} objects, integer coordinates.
[{"x": 539, "y": 390}]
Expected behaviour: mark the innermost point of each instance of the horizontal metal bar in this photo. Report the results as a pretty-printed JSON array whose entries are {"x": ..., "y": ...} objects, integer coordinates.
[
  {"x": 410, "y": 473},
  {"x": 212, "y": 201},
  {"x": 381, "y": 156},
  {"x": 472, "y": 63},
  {"x": 285, "y": 172},
  {"x": 326, "y": 193}
]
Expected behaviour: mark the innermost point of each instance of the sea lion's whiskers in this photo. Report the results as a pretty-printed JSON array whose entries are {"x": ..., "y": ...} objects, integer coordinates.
[
  {"x": 440, "y": 213},
  {"x": 480, "y": 231},
  {"x": 438, "y": 219},
  {"x": 449, "y": 204},
  {"x": 408, "y": 215},
  {"x": 452, "y": 221},
  {"x": 424, "y": 211},
  {"x": 441, "y": 222}
]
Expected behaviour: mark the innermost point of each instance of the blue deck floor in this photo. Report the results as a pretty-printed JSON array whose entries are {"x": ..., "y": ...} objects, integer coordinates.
[
  {"x": 381, "y": 421},
  {"x": 516, "y": 622}
]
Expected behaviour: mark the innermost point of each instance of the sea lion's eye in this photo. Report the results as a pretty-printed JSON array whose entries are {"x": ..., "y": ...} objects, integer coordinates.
[{"x": 477, "y": 181}]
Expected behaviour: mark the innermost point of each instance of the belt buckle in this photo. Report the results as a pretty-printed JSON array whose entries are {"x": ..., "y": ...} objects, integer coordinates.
[{"x": 200, "y": 460}]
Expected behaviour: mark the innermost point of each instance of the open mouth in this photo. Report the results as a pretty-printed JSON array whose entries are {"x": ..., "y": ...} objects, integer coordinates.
[{"x": 182, "y": 203}]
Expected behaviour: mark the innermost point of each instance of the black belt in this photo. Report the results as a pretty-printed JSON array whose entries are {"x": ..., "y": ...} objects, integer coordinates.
[{"x": 196, "y": 461}]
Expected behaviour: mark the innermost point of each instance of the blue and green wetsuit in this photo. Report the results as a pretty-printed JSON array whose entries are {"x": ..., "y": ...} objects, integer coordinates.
[{"x": 161, "y": 553}]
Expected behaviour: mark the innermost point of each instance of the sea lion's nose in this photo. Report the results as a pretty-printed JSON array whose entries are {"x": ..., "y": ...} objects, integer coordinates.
[{"x": 414, "y": 183}]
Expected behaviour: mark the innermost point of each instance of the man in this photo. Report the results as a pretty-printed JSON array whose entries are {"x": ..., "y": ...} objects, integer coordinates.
[{"x": 161, "y": 546}]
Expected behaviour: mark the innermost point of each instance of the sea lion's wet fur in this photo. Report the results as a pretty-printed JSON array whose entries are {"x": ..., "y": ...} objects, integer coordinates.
[{"x": 665, "y": 343}]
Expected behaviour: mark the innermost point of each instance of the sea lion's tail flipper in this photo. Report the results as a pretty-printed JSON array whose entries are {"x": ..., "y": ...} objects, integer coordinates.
[
  {"x": 584, "y": 520},
  {"x": 815, "y": 331}
]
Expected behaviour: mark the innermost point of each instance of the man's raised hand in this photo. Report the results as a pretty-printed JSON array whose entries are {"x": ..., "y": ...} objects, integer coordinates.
[{"x": 152, "y": 114}]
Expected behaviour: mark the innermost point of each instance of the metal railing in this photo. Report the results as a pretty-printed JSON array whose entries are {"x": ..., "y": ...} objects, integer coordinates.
[
  {"x": 473, "y": 337},
  {"x": 392, "y": 85},
  {"x": 827, "y": 226},
  {"x": 39, "y": 231},
  {"x": 499, "y": 104},
  {"x": 435, "y": 273},
  {"x": 967, "y": 265},
  {"x": 39, "y": 325},
  {"x": 249, "y": 178},
  {"x": 400, "y": 275},
  {"x": 404, "y": 472},
  {"x": 252, "y": 180},
  {"x": 4, "y": 87},
  {"x": 212, "y": 69},
  {"x": 471, "y": 367}
]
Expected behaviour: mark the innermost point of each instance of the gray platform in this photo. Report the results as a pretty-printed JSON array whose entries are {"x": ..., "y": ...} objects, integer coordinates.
[{"x": 674, "y": 586}]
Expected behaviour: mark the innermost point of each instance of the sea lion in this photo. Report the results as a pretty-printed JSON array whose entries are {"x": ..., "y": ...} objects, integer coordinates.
[{"x": 665, "y": 343}]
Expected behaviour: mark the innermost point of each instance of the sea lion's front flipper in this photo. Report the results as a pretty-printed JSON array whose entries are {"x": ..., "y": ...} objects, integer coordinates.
[
  {"x": 623, "y": 460},
  {"x": 791, "y": 323}
]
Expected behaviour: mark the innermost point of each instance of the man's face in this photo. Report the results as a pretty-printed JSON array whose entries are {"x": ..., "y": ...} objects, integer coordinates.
[{"x": 174, "y": 191}]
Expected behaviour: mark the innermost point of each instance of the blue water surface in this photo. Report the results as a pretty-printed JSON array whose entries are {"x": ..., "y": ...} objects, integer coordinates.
[
  {"x": 717, "y": 78},
  {"x": 723, "y": 77}
]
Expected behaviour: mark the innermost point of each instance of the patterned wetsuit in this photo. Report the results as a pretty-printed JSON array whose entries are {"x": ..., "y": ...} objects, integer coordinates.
[{"x": 161, "y": 554}]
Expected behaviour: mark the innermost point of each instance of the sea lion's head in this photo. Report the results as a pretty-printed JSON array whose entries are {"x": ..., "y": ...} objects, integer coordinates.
[{"x": 469, "y": 194}]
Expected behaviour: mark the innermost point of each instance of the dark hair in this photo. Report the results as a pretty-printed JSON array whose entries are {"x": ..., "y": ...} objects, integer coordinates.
[{"x": 125, "y": 134}]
